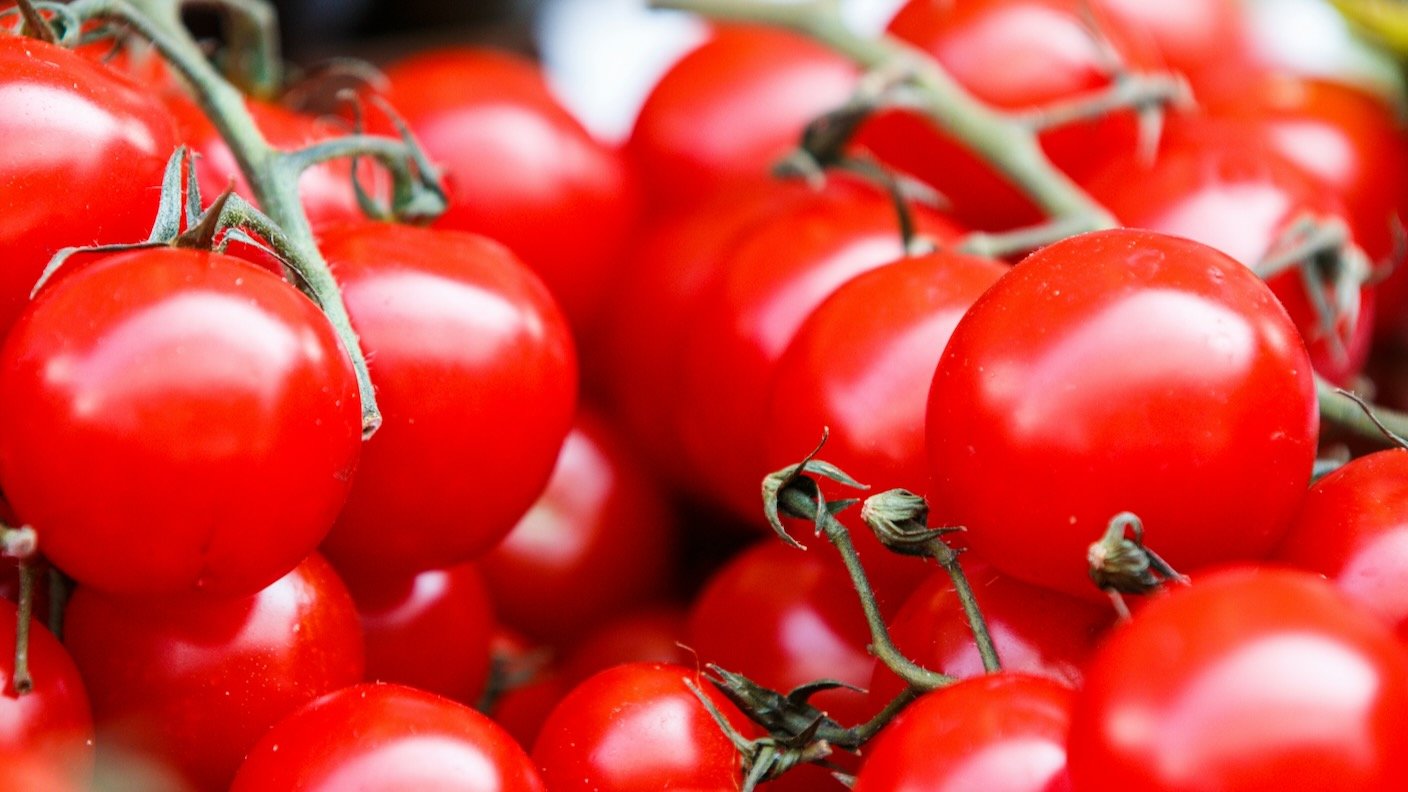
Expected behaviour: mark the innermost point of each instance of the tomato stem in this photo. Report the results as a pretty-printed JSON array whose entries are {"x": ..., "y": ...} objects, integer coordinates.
[
  {"x": 35, "y": 25},
  {"x": 256, "y": 60},
  {"x": 22, "y": 680},
  {"x": 1351, "y": 412},
  {"x": 60, "y": 587}
]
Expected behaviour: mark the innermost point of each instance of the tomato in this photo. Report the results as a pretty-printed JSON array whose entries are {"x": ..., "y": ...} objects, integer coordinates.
[
  {"x": 724, "y": 114},
  {"x": 1121, "y": 371},
  {"x": 476, "y": 378},
  {"x": 636, "y": 728},
  {"x": 1249, "y": 679},
  {"x": 52, "y": 723},
  {"x": 386, "y": 737},
  {"x": 430, "y": 631},
  {"x": 195, "y": 681},
  {"x": 1035, "y": 631},
  {"x": 1191, "y": 37},
  {"x": 600, "y": 539},
  {"x": 741, "y": 324},
  {"x": 1006, "y": 731},
  {"x": 85, "y": 150},
  {"x": 21, "y": 770},
  {"x": 520, "y": 169},
  {"x": 204, "y": 409},
  {"x": 1223, "y": 189},
  {"x": 1353, "y": 529},
  {"x": 1014, "y": 55}
]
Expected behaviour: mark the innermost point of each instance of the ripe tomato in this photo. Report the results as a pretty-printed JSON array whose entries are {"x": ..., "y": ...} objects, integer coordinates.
[
  {"x": 724, "y": 114},
  {"x": 476, "y": 378},
  {"x": 430, "y": 631},
  {"x": 52, "y": 723},
  {"x": 1005, "y": 731},
  {"x": 637, "y": 728},
  {"x": 1249, "y": 679},
  {"x": 1353, "y": 529},
  {"x": 84, "y": 154},
  {"x": 600, "y": 539},
  {"x": 203, "y": 407},
  {"x": 194, "y": 682},
  {"x": 520, "y": 169},
  {"x": 1121, "y": 371},
  {"x": 1190, "y": 37},
  {"x": 386, "y": 737}
]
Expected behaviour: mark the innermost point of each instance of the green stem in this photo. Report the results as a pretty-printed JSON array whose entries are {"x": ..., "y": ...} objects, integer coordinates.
[
  {"x": 253, "y": 32},
  {"x": 1006, "y": 142},
  {"x": 882, "y": 645},
  {"x": 977, "y": 623},
  {"x": 1338, "y": 407},
  {"x": 856, "y": 737},
  {"x": 22, "y": 680}
]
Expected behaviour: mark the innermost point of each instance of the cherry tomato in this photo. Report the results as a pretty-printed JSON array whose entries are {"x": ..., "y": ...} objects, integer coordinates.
[
  {"x": 85, "y": 150},
  {"x": 637, "y": 728},
  {"x": 476, "y": 378},
  {"x": 1249, "y": 679},
  {"x": 1353, "y": 529},
  {"x": 430, "y": 631},
  {"x": 204, "y": 409},
  {"x": 1121, "y": 371},
  {"x": 386, "y": 737},
  {"x": 194, "y": 682},
  {"x": 724, "y": 114},
  {"x": 52, "y": 723},
  {"x": 1191, "y": 37},
  {"x": 520, "y": 169},
  {"x": 20, "y": 770},
  {"x": 600, "y": 539},
  {"x": 1005, "y": 731}
]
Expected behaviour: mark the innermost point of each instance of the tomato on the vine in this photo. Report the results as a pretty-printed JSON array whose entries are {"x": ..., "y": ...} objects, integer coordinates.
[{"x": 52, "y": 723}]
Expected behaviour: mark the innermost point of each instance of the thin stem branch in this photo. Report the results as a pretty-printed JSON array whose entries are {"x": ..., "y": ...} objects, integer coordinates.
[
  {"x": 1348, "y": 412},
  {"x": 253, "y": 42},
  {"x": 857, "y": 736},
  {"x": 977, "y": 623},
  {"x": 22, "y": 681}
]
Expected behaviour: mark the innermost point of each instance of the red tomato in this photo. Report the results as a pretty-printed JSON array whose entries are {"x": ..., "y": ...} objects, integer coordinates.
[
  {"x": 783, "y": 636},
  {"x": 637, "y": 728},
  {"x": 1035, "y": 631},
  {"x": 601, "y": 538},
  {"x": 203, "y": 407},
  {"x": 519, "y": 168},
  {"x": 476, "y": 378},
  {"x": 1353, "y": 529},
  {"x": 1190, "y": 36},
  {"x": 430, "y": 631},
  {"x": 386, "y": 737},
  {"x": 20, "y": 770},
  {"x": 1233, "y": 193},
  {"x": 1015, "y": 55},
  {"x": 194, "y": 682},
  {"x": 1121, "y": 371},
  {"x": 724, "y": 114},
  {"x": 1249, "y": 679},
  {"x": 84, "y": 154},
  {"x": 1005, "y": 731},
  {"x": 52, "y": 723},
  {"x": 775, "y": 275}
]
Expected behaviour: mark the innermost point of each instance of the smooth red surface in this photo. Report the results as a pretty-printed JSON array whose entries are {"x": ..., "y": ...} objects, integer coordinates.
[
  {"x": 429, "y": 631},
  {"x": 194, "y": 682},
  {"x": 1121, "y": 371},
  {"x": 636, "y": 728},
  {"x": 203, "y": 408},
  {"x": 476, "y": 378},
  {"x": 387, "y": 737},
  {"x": 52, "y": 724},
  {"x": 1001, "y": 732},
  {"x": 724, "y": 114},
  {"x": 601, "y": 539},
  {"x": 84, "y": 152},
  {"x": 1249, "y": 679},
  {"x": 520, "y": 169},
  {"x": 1189, "y": 37}
]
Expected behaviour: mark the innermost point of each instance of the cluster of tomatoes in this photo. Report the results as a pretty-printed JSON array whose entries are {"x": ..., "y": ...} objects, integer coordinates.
[{"x": 588, "y": 363}]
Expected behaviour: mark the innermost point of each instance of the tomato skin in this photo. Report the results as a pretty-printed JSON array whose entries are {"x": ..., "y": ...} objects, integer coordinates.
[
  {"x": 52, "y": 723},
  {"x": 1121, "y": 371},
  {"x": 600, "y": 539},
  {"x": 1353, "y": 529},
  {"x": 196, "y": 681},
  {"x": 386, "y": 737},
  {"x": 637, "y": 728},
  {"x": 1005, "y": 731},
  {"x": 1249, "y": 679},
  {"x": 204, "y": 408},
  {"x": 476, "y": 378},
  {"x": 1191, "y": 37},
  {"x": 430, "y": 631},
  {"x": 516, "y": 163},
  {"x": 84, "y": 154},
  {"x": 724, "y": 114}
]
